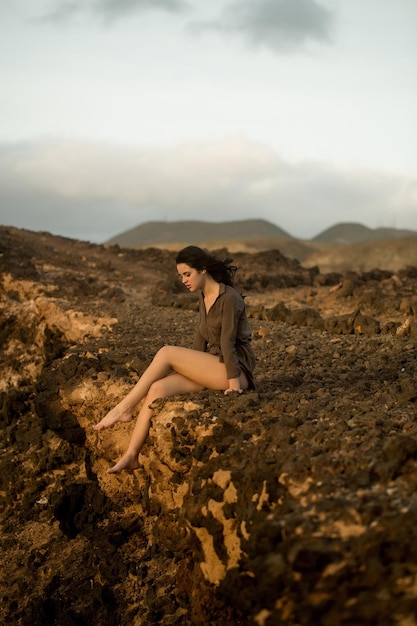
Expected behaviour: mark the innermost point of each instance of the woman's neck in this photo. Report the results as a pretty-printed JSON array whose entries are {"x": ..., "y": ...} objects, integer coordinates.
[{"x": 211, "y": 288}]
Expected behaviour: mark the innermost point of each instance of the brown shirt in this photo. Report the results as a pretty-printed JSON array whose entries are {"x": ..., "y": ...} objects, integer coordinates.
[{"x": 225, "y": 331}]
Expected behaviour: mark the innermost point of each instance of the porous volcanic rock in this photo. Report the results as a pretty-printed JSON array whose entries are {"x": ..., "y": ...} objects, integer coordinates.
[{"x": 292, "y": 504}]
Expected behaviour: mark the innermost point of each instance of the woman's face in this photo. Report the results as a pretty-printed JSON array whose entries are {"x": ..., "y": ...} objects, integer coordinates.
[{"x": 193, "y": 279}]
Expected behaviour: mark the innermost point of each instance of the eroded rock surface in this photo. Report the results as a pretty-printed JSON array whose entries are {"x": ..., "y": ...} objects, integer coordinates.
[{"x": 292, "y": 504}]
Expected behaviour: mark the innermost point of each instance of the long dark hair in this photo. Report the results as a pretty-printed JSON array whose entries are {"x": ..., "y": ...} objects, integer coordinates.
[{"x": 199, "y": 259}]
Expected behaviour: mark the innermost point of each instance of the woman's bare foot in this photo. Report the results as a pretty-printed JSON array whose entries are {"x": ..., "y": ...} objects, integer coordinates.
[
  {"x": 113, "y": 416},
  {"x": 127, "y": 462}
]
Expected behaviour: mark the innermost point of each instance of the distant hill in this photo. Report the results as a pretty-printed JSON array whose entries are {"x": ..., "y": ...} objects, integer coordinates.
[
  {"x": 386, "y": 254},
  {"x": 197, "y": 232},
  {"x": 348, "y": 233},
  {"x": 254, "y": 234},
  {"x": 339, "y": 248}
]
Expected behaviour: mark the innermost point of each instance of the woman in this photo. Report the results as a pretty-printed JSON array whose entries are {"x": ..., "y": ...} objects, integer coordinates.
[{"x": 221, "y": 358}]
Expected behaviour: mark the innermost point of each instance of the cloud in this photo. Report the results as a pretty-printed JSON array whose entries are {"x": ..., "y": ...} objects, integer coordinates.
[
  {"x": 93, "y": 191},
  {"x": 114, "y": 8},
  {"x": 281, "y": 25},
  {"x": 109, "y": 10}
]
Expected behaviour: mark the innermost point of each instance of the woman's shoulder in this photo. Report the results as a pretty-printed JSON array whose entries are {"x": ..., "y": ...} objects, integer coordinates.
[{"x": 231, "y": 293}]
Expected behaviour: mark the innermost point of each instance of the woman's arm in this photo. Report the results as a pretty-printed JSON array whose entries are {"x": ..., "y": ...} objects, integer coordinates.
[{"x": 232, "y": 309}]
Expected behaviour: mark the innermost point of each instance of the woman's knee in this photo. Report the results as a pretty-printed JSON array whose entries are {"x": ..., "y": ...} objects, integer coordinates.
[{"x": 164, "y": 353}]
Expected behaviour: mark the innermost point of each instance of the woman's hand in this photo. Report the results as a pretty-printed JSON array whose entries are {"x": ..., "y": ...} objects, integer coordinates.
[
  {"x": 234, "y": 387},
  {"x": 232, "y": 390}
]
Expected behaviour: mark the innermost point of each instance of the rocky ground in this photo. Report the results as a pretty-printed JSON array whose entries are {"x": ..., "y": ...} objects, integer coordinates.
[{"x": 294, "y": 504}]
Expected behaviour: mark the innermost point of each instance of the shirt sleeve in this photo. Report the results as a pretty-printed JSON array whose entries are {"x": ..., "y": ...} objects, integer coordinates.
[{"x": 232, "y": 310}]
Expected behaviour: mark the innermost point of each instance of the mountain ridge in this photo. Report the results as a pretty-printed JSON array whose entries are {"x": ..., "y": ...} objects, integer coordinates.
[
  {"x": 151, "y": 233},
  {"x": 354, "y": 232},
  {"x": 158, "y": 233}
]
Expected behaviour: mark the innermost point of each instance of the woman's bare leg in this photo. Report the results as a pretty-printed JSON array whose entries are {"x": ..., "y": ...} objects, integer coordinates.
[
  {"x": 169, "y": 386},
  {"x": 200, "y": 367}
]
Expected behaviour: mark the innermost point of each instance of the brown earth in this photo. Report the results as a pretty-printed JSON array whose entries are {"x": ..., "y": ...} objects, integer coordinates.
[
  {"x": 391, "y": 254},
  {"x": 292, "y": 505},
  {"x": 340, "y": 248}
]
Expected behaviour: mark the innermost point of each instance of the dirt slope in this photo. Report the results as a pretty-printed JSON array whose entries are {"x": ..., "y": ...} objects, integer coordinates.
[{"x": 294, "y": 504}]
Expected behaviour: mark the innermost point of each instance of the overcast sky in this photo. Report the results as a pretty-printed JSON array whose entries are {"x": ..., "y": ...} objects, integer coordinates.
[{"x": 119, "y": 112}]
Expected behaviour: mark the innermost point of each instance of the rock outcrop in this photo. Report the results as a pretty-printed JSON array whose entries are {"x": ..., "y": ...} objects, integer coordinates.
[{"x": 291, "y": 504}]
